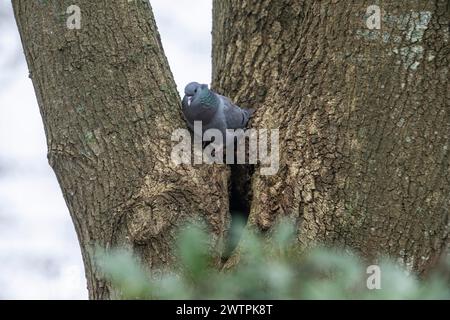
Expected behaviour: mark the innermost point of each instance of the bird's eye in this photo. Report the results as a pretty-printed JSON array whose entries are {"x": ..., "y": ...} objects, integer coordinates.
[{"x": 195, "y": 90}]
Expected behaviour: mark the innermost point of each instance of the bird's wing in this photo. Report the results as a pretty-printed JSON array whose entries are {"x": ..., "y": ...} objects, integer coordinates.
[{"x": 235, "y": 116}]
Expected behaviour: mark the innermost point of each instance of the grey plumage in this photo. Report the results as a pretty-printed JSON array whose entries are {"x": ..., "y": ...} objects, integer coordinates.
[{"x": 214, "y": 110}]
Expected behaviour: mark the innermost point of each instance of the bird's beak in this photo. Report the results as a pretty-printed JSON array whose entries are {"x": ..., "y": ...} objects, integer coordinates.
[{"x": 189, "y": 101}]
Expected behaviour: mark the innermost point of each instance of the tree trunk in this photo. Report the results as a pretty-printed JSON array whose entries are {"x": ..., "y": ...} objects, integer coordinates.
[
  {"x": 363, "y": 117},
  {"x": 109, "y": 107},
  {"x": 363, "y": 114}
]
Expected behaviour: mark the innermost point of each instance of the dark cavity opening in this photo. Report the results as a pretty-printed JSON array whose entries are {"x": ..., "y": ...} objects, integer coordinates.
[{"x": 240, "y": 198}]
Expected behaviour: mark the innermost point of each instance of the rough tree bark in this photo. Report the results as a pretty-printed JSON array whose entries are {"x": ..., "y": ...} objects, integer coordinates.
[
  {"x": 363, "y": 116},
  {"x": 109, "y": 106},
  {"x": 364, "y": 119}
]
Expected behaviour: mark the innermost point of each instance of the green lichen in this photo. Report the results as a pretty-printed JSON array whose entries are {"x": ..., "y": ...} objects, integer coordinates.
[
  {"x": 410, "y": 27},
  {"x": 418, "y": 23},
  {"x": 410, "y": 57},
  {"x": 368, "y": 34},
  {"x": 89, "y": 135},
  {"x": 79, "y": 108}
]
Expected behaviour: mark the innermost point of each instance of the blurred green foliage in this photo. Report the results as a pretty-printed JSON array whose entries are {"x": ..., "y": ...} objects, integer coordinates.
[{"x": 274, "y": 270}]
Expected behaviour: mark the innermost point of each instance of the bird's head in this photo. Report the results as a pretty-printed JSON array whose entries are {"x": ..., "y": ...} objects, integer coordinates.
[{"x": 197, "y": 94}]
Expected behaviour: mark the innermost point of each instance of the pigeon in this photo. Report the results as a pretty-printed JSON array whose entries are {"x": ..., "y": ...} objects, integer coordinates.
[{"x": 214, "y": 110}]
